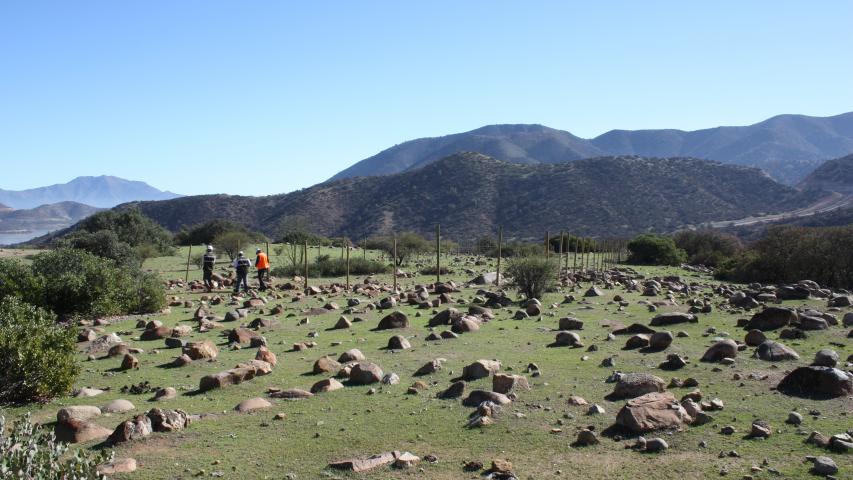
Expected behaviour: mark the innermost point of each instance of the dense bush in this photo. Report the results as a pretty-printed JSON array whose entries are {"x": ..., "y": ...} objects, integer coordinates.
[
  {"x": 652, "y": 249},
  {"x": 707, "y": 247},
  {"x": 205, "y": 233},
  {"x": 27, "y": 452},
  {"x": 77, "y": 283},
  {"x": 532, "y": 276},
  {"x": 105, "y": 244},
  {"x": 790, "y": 254},
  {"x": 36, "y": 354},
  {"x": 131, "y": 227},
  {"x": 324, "y": 266},
  {"x": 17, "y": 279}
]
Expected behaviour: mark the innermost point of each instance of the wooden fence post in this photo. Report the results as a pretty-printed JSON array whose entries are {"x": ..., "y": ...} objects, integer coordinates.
[
  {"x": 305, "y": 259},
  {"x": 438, "y": 253},
  {"x": 187, "y": 276},
  {"x": 500, "y": 241}
]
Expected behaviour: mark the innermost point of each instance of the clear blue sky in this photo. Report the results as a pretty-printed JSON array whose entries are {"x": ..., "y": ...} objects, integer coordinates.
[{"x": 267, "y": 97}]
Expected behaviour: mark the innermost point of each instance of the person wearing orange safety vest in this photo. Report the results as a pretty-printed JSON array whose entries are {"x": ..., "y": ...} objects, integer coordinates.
[{"x": 263, "y": 265}]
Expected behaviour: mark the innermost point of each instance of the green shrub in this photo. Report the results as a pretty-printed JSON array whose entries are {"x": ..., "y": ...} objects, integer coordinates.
[
  {"x": 131, "y": 227},
  {"x": 707, "y": 247},
  {"x": 789, "y": 254},
  {"x": 103, "y": 243},
  {"x": 27, "y": 452},
  {"x": 36, "y": 354},
  {"x": 652, "y": 249},
  {"x": 532, "y": 276},
  {"x": 329, "y": 267},
  {"x": 409, "y": 244},
  {"x": 78, "y": 283},
  {"x": 17, "y": 279}
]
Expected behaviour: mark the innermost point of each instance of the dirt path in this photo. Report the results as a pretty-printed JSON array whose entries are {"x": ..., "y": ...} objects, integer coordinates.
[{"x": 829, "y": 203}]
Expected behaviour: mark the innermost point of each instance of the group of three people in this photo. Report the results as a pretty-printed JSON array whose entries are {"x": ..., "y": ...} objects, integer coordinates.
[{"x": 241, "y": 265}]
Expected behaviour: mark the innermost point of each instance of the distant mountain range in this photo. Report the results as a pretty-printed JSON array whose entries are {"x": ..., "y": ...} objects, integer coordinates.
[
  {"x": 471, "y": 194},
  {"x": 102, "y": 192},
  {"x": 787, "y": 147},
  {"x": 43, "y": 218}
]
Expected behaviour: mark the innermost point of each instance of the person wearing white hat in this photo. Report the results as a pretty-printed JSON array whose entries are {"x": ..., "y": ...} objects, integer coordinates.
[
  {"x": 208, "y": 261},
  {"x": 242, "y": 265}
]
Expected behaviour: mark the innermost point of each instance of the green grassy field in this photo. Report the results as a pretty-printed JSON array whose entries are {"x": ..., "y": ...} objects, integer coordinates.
[{"x": 349, "y": 422}]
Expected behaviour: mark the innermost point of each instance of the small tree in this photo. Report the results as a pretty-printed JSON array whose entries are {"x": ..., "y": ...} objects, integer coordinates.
[
  {"x": 652, "y": 249},
  {"x": 533, "y": 275},
  {"x": 232, "y": 242},
  {"x": 408, "y": 244},
  {"x": 36, "y": 354}
]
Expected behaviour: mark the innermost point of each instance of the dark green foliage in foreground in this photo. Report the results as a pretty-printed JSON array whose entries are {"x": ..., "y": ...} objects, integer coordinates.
[
  {"x": 36, "y": 354},
  {"x": 32, "y": 453},
  {"x": 707, "y": 247},
  {"x": 790, "y": 254},
  {"x": 532, "y": 276},
  {"x": 324, "y": 266},
  {"x": 652, "y": 249},
  {"x": 74, "y": 283}
]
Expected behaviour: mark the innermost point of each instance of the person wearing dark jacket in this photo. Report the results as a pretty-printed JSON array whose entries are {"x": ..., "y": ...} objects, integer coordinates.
[
  {"x": 208, "y": 261},
  {"x": 242, "y": 265}
]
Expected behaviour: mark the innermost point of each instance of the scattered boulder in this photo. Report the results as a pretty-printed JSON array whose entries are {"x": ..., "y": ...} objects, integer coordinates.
[
  {"x": 398, "y": 342},
  {"x": 775, "y": 352},
  {"x": 351, "y": 355},
  {"x": 326, "y": 365},
  {"x": 631, "y": 385},
  {"x": 476, "y": 397},
  {"x": 204, "y": 349},
  {"x": 567, "y": 339},
  {"x": 720, "y": 350},
  {"x": 660, "y": 340},
  {"x": 503, "y": 383},
  {"x": 118, "y": 406},
  {"x": 817, "y": 382},
  {"x": 570, "y": 323},
  {"x": 365, "y": 373},
  {"x": 672, "y": 318},
  {"x": 252, "y": 404},
  {"x": 480, "y": 369},
  {"x": 393, "y": 320},
  {"x": 825, "y": 357},
  {"x": 754, "y": 338},
  {"x": 327, "y": 385},
  {"x": 652, "y": 411},
  {"x": 772, "y": 318},
  {"x": 240, "y": 373}
]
